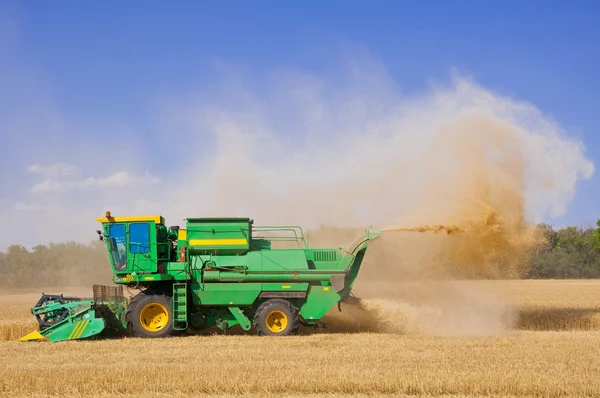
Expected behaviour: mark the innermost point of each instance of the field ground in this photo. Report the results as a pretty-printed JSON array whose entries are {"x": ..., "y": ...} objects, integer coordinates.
[{"x": 553, "y": 349}]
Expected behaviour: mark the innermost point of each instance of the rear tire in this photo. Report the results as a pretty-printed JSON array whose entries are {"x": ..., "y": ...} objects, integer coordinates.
[
  {"x": 150, "y": 315},
  {"x": 276, "y": 317}
]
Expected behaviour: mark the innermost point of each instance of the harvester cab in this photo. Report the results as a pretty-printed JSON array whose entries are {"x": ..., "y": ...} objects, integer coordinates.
[
  {"x": 137, "y": 244},
  {"x": 218, "y": 272}
]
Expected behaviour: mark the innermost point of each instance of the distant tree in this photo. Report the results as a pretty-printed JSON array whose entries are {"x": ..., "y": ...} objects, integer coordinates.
[
  {"x": 597, "y": 235},
  {"x": 570, "y": 252},
  {"x": 53, "y": 265}
]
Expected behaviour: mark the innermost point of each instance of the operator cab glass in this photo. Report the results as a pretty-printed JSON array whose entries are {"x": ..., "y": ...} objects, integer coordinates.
[
  {"x": 139, "y": 237},
  {"x": 118, "y": 246}
]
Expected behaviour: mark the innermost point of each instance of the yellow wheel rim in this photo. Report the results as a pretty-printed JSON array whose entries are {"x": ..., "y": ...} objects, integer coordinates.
[
  {"x": 154, "y": 317},
  {"x": 277, "y": 321}
]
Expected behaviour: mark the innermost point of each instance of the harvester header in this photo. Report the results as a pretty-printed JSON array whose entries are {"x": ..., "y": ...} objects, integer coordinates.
[{"x": 218, "y": 272}]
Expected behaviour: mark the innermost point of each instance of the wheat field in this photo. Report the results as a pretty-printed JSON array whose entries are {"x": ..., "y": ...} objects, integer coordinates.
[{"x": 551, "y": 349}]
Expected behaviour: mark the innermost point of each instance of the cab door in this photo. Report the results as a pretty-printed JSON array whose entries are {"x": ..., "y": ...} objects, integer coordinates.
[{"x": 117, "y": 247}]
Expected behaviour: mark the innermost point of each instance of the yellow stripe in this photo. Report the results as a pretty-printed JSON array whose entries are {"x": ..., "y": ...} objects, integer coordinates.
[
  {"x": 217, "y": 242},
  {"x": 182, "y": 234},
  {"x": 78, "y": 329},
  {"x": 156, "y": 219},
  {"x": 69, "y": 338},
  {"x": 85, "y": 323},
  {"x": 286, "y": 287},
  {"x": 74, "y": 330}
]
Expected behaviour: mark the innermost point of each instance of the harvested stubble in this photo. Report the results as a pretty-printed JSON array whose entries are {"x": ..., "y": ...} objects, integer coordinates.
[
  {"x": 525, "y": 363},
  {"x": 353, "y": 357}
]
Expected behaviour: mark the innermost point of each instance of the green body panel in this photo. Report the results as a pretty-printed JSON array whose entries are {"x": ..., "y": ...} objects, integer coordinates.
[
  {"x": 283, "y": 259},
  {"x": 239, "y": 294},
  {"x": 285, "y": 287},
  {"x": 81, "y": 329},
  {"x": 257, "y": 276},
  {"x": 218, "y": 235},
  {"x": 319, "y": 301}
]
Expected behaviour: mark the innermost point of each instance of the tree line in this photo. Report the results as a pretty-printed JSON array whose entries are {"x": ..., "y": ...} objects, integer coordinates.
[
  {"x": 53, "y": 265},
  {"x": 568, "y": 252}
]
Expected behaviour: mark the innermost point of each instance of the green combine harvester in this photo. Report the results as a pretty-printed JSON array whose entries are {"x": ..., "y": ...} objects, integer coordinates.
[{"x": 216, "y": 272}]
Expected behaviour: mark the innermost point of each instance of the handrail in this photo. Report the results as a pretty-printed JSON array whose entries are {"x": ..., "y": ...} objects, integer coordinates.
[{"x": 298, "y": 233}]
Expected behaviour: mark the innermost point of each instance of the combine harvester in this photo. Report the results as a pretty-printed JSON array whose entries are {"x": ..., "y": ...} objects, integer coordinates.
[{"x": 216, "y": 272}]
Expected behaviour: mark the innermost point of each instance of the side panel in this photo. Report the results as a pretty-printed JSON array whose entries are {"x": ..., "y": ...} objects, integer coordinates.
[
  {"x": 320, "y": 300},
  {"x": 284, "y": 287},
  {"x": 176, "y": 268},
  {"x": 324, "y": 259},
  {"x": 218, "y": 235},
  {"x": 284, "y": 290},
  {"x": 251, "y": 260},
  {"x": 284, "y": 259},
  {"x": 236, "y": 294}
]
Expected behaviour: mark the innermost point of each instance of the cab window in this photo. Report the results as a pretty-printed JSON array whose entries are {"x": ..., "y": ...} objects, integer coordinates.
[
  {"x": 139, "y": 238},
  {"x": 118, "y": 246}
]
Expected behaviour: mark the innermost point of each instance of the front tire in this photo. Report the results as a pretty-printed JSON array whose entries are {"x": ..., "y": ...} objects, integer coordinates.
[
  {"x": 276, "y": 317},
  {"x": 150, "y": 315}
]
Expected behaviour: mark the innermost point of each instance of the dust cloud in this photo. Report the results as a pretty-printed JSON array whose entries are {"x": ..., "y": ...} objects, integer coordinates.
[
  {"x": 469, "y": 223},
  {"x": 487, "y": 236},
  {"x": 481, "y": 168}
]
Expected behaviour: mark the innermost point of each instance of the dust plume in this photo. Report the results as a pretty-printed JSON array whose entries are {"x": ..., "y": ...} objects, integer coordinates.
[
  {"x": 479, "y": 167},
  {"x": 477, "y": 193}
]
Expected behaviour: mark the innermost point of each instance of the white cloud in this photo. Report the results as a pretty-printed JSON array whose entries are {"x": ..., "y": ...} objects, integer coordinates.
[
  {"x": 54, "y": 170},
  {"x": 118, "y": 180}
]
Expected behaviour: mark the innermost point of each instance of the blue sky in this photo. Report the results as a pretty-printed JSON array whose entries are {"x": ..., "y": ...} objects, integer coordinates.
[{"x": 110, "y": 92}]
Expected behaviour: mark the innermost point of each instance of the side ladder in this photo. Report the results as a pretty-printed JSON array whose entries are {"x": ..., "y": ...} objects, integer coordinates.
[{"x": 180, "y": 300}]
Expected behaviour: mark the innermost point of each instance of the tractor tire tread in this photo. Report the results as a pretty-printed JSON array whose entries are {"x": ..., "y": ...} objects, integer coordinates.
[
  {"x": 132, "y": 326},
  {"x": 282, "y": 304}
]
